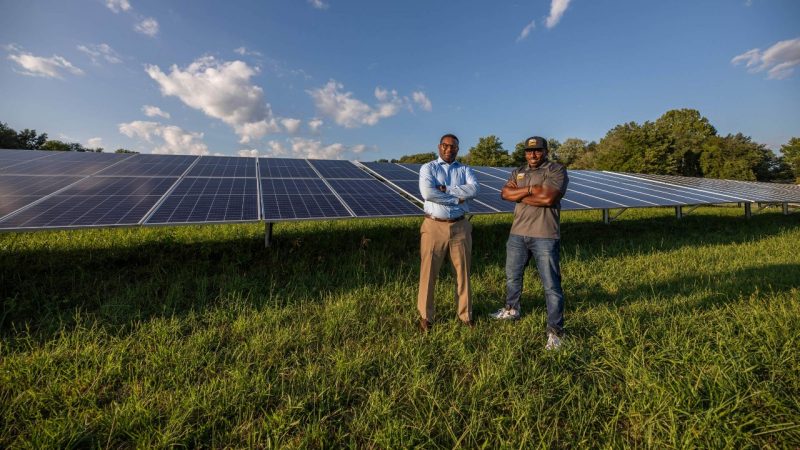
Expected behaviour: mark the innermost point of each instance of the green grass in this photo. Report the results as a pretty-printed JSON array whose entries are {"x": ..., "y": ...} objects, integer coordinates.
[{"x": 680, "y": 334}]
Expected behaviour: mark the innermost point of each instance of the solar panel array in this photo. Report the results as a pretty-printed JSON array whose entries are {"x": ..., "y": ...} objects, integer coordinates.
[{"x": 40, "y": 189}]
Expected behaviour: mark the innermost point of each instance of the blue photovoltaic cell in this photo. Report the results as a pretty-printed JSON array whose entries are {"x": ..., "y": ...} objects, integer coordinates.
[
  {"x": 661, "y": 193},
  {"x": 745, "y": 190},
  {"x": 198, "y": 200},
  {"x": 17, "y": 191},
  {"x": 285, "y": 168},
  {"x": 299, "y": 198},
  {"x": 65, "y": 163},
  {"x": 338, "y": 169},
  {"x": 12, "y": 157},
  {"x": 96, "y": 201},
  {"x": 392, "y": 172},
  {"x": 413, "y": 166},
  {"x": 151, "y": 166},
  {"x": 371, "y": 198},
  {"x": 223, "y": 166}
]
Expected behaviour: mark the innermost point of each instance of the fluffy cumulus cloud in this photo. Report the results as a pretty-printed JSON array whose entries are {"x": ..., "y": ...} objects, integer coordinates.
[
  {"x": 167, "y": 139},
  {"x": 118, "y": 5},
  {"x": 100, "y": 52},
  {"x": 557, "y": 10},
  {"x": 40, "y": 66},
  {"x": 315, "y": 125},
  {"x": 319, "y": 4},
  {"x": 148, "y": 27},
  {"x": 94, "y": 142},
  {"x": 154, "y": 111},
  {"x": 350, "y": 112},
  {"x": 422, "y": 100},
  {"x": 298, "y": 147},
  {"x": 526, "y": 31},
  {"x": 779, "y": 60},
  {"x": 291, "y": 125},
  {"x": 222, "y": 90}
]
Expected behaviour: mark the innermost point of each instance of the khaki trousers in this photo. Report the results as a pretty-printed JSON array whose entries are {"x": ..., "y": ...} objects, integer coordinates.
[{"x": 437, "y": 239}]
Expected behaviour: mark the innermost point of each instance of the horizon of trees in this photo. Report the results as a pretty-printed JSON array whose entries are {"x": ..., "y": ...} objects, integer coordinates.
[
  {"x": 681, "y": 142},
  {"x": 28, "y": 139}
]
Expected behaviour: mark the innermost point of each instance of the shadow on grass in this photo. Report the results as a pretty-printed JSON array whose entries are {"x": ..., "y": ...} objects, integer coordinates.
[{"x": 164, "y": 276}]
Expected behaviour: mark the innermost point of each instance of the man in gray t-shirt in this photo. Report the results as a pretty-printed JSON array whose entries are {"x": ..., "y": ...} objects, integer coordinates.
[{"x": 537, "y": 187}]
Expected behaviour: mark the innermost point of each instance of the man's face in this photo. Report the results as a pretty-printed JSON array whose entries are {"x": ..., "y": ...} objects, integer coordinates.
[
  {"x": 536, "y": 157},
  {"x": 448, "y": 149}
]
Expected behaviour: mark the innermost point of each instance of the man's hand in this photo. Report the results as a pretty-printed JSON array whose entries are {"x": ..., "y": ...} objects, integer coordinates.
[{"x": 442, "y": 188}]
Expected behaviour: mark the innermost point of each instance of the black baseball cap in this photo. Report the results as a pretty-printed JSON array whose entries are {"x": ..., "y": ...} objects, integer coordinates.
[{"x": 535, "y": 142}]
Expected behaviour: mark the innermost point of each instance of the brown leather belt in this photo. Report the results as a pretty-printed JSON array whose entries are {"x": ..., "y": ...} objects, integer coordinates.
[{"x": 457, "y": 219}]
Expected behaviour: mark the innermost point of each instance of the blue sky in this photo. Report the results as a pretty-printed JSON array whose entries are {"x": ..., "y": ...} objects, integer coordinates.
[{"x": 367, "y": 79}]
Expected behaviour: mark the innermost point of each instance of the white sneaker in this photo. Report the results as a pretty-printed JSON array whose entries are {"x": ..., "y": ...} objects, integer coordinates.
[
  {"x": 553, "y": 342},
  {"x": 506, "y": 314}
]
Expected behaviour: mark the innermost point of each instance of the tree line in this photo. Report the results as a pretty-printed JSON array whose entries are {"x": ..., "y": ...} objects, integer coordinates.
[
  {"x": 680, "y": 142},
  {"x": 28, "y": 139}
]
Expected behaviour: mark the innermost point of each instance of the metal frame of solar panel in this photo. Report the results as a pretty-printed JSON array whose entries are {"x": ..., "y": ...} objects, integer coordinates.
[{"x": 40, "y": 189}]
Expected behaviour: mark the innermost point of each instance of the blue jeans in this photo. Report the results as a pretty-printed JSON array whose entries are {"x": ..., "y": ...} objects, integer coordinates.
[{"x": 545, "y": 252}]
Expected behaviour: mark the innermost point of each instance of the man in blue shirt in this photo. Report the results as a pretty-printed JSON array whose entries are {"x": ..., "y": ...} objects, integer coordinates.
[{"x": 446, "y": 185}]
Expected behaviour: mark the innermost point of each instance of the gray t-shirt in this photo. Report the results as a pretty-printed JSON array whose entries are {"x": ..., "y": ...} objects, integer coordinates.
[{"x": 537, "y": 221}]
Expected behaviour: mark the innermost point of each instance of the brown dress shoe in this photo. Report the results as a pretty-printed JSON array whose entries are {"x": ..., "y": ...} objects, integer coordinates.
[{"x": 424, "y": 325}]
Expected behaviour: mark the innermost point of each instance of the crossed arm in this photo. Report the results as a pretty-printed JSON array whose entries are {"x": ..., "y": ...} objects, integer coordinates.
[
  {"x": 537, "y": 195},
  {"x": 433, "y": 191}
]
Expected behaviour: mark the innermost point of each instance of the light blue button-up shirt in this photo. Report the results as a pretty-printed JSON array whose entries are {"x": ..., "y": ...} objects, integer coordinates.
[{"x": 460, "y": 182}]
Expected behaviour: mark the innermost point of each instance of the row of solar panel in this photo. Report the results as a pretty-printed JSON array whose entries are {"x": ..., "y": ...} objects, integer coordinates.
[{"x": 67, "y": 189}]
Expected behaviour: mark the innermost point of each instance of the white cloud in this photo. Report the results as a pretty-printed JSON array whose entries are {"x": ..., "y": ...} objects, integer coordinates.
[
  {"x": 250, "y": 153},
  {"x": 779, "y": 60},
  {"x": 154, "y": 111},
  {"x": 245, "y": 52},
  {"x": 526, "y": 31},
  {"x": 557, "y": 9},
  {"x": 351, "y": 112},
  {"x": 101, "y": 51},
  {"x": 291, "y": 125},
  {"x": 94, "y": 142},
  {"x": 39, "y": 66},
  {"x": 221, "y": 90},
  {"x": 118, "y": 5},
  {"x": 148, "y": 27},
  {"x": 319, "y": 4},
  {"x": 298, "y": 147},
  {"x": 315, "y": 124},
  {"x": 167, "y": 139},
  {"x": 422, "y": 100}
]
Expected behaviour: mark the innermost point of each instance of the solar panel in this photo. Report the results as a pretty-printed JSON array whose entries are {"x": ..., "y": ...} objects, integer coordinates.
[
  {"x": 285, "y": 168},
  {"x": 299, "y": 198},
  {"x": 393, "y": 172},
  {"x": 735, "y": 190},
  {"x": 151, "y": 166},
  {"x": 17, "y": 191},
  {"x": 330, "y": 169},
  {"x": 223, "y": 166},
  {"x": 65, "y": 163},
  {"x": 371, "y": 198},
  {"x": 200, "y": 200},
  {"x": 12, "y": 157},
  {"x": 95, "y": 201}
]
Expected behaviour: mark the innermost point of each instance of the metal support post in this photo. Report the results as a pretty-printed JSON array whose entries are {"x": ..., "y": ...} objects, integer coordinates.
[
  {"x": 606, "y": 217},
  {"x": 747, "y": 210},
  {"x": 785, "y": 208},
  {"x": 267, "y": 234},
  {"x": 679, "y": 212}
]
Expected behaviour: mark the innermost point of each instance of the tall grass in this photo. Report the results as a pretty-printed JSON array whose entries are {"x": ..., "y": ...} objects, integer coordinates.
[{"x": 680, "y": 334}]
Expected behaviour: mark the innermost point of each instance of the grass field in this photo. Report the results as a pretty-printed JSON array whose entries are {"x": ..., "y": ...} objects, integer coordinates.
[{"x": 679, "y": 334}]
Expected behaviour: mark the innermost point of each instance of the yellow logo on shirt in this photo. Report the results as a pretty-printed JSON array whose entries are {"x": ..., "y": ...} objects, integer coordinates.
[{"x": 520, "y": 176}]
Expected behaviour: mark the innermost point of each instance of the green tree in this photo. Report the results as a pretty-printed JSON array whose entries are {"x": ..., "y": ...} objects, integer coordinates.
[
  {"x": 684, "y": 132},
  {"x": 28, "y": 139},
  {"x": 56, "y": 145},
  {"x": 489, "y": 152},
  {"x": 418, "y": 158},
  {"x": 8, "y": 136},
  {"x": 791, "y": 154},
  {"x": 124, "y": 150},
  {"x": 571, "y": 151},
  {"x": 735, "y": 157},
  {"x": 622, "y": 149}
]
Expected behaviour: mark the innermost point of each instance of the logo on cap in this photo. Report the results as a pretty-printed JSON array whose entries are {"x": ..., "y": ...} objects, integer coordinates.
[{"x": 532, "y": 142}]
